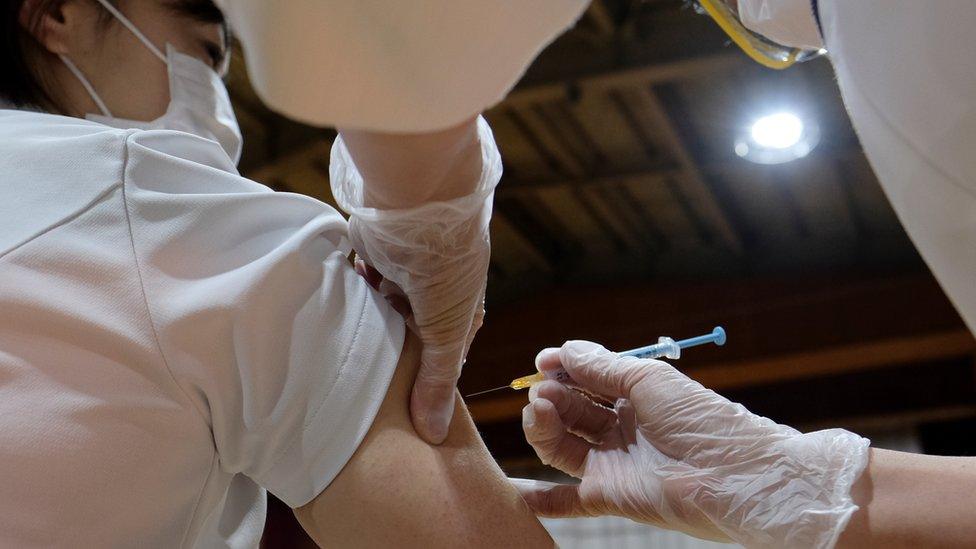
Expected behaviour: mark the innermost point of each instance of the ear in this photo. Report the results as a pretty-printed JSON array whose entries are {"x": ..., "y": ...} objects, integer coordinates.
[{"x": 54, "y": 24}]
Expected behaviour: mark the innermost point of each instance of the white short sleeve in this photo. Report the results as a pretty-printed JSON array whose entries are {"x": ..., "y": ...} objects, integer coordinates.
[{"x": 282, "y": 347}]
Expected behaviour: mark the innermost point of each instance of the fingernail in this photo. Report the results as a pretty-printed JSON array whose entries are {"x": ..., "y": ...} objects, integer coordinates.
[
  {"x": 528, "y": 417},
  {"x": 545, "y": 354},
  {"x": 579, "y": 347}
]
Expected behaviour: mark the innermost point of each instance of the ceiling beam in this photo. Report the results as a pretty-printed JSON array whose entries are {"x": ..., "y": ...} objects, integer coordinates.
[
  {"x": 654, "y": 74},
  {"x": 694, "y": 181},
  {"x": 662, "y": 171}
]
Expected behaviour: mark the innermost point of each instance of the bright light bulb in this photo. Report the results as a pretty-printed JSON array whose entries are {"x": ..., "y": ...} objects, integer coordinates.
[{"x": 778, "y": 131}]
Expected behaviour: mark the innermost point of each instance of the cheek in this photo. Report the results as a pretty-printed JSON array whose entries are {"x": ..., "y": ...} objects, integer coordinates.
[
  {"x": 136, "y": 85},
  {"x": 157, "y": 93}
]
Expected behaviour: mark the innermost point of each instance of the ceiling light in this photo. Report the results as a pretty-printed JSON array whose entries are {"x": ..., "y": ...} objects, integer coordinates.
[
  {"x": 776, "y": 138},
  {"x": 777, "y": 131}
]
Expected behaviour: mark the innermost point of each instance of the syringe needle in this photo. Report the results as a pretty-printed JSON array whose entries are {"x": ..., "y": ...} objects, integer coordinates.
[{"x": 487, "y": 391}]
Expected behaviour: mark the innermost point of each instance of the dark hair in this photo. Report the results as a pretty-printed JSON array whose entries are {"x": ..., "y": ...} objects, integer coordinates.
[{"x": 21, "y": 83}]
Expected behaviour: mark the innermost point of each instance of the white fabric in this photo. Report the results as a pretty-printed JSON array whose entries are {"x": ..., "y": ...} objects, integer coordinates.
[
  {"x": 909, "y": 84},
  {"x": 392, "y": 65},
  {"x": 786, "y": 22},
  {"x": 174, "y": 339}
]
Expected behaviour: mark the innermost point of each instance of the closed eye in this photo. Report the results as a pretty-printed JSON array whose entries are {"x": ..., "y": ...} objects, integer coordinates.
[{"x": 217, "y": 55}]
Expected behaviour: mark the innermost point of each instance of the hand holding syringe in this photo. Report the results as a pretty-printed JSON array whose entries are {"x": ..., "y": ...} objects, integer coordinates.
[{"x": 664, "y": 348}]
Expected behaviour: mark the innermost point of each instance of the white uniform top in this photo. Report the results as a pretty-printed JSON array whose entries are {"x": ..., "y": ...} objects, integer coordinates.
[
  {"x": 908, "y": 78},
  {"x": 907, "y": 73},
  {"x": 174, "y": 340}
]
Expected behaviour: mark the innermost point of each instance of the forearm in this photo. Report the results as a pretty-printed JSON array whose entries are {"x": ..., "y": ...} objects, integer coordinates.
[
  {"x": 407, "y": 170},
  {"x": 911, "y": 500}
]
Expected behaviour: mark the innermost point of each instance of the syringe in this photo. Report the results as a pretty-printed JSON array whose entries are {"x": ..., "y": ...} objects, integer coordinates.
[{"x": 664, "y": 348}]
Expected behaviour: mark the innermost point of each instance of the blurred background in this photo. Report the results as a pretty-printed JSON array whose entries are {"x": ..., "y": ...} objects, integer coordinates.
[{"x": 633, "y": 207}]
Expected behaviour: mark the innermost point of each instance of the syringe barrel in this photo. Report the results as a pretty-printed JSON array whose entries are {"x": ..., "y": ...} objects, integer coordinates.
[{"x": 664, "y": 348}]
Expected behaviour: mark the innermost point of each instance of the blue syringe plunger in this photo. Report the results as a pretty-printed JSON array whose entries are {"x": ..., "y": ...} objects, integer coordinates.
[
  {"x": 717, "y": 337},
  {"x": 671, "y": 349}
]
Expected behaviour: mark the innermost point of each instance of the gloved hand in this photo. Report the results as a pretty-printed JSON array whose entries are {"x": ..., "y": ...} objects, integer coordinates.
[
  {"x": 436, "y": 255},
  {"x": 674, "y": 454}
]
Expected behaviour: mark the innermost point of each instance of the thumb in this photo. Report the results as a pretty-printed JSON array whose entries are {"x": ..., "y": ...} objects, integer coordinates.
[
  {"x": 477, "y": 321},
  {"x": 432, "y": 399},
  {"x": 597, "y": 370},
  {"x": 549, "y": 499}
]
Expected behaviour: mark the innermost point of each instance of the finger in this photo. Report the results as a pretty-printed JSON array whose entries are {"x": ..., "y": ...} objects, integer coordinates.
[
  {"x": 375, "y": 279},
  {"x": 396, "y": 298},
  {"x": 548, "y": 360},
  {"x": 550, "y": 439},
  {"x": 577, "y": 411},
  {"x": 683, "y": 419},
  {"x": 432, "y": 399},
  {"x": 594, "y": 368},
  {"x": 549, "y": 499},
  {"x": 371, "y": 275},
  {"x": 389, "y": 288}
]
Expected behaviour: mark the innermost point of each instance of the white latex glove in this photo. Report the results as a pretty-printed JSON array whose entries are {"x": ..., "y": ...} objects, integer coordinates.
[
  {"x": 436, "y": 255},
  {"x": 677, "y": 455}
]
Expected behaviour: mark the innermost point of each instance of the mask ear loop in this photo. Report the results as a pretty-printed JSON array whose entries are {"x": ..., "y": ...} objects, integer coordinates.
[
  {"x": 87, "y": 85},
  {"x": 133, "y": 29}
]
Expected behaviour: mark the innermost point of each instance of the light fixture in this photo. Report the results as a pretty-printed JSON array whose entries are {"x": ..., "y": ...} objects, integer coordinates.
[{"x": 776, "y": 138}]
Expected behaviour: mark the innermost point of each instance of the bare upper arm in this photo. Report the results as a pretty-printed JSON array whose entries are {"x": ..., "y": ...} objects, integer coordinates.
[{"x": 398, "y": 490}]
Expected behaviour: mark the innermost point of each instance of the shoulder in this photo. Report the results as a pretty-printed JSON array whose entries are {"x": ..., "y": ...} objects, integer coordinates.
[
  {"x": 58, "y": 145},
  {"x": 68, "y": 147},
  {"x": 53, "y": 167},
  {"x": 172, "y": 161}
]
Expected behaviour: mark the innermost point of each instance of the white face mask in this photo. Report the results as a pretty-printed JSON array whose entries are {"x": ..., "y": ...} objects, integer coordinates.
[{"x": 198, "y": 100}]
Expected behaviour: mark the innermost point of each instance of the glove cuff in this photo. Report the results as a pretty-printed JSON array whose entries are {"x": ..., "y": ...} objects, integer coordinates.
[
  {"x": 347, "y": 188},
  {"x": 848, "y": 455},
  {"x": 833, "y": 460}
]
